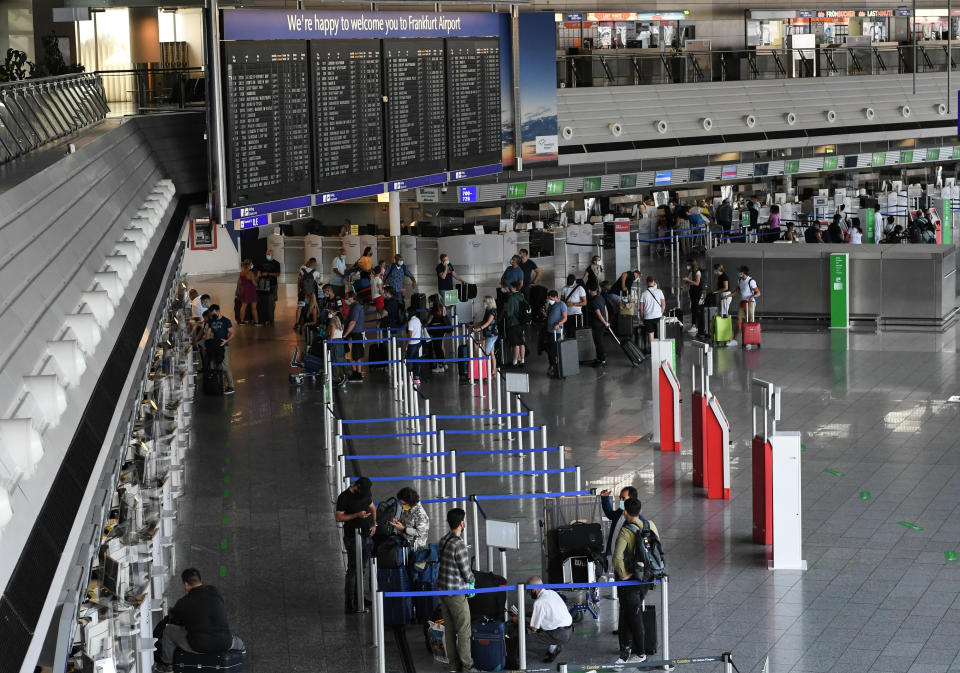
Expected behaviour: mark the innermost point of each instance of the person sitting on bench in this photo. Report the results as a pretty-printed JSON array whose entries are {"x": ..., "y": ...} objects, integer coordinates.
[{"x": 198, "y": 621}]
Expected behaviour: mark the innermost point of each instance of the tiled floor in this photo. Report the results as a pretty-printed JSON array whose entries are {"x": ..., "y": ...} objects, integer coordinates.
[{"x": 877, "y": 596}]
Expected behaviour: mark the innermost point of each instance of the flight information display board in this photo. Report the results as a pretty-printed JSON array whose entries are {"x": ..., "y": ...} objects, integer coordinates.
[
  {"x": 473, "y": 101},
  {"x": 348, "y": 115},
  {"x": 415, "y": 87},
  {"x": 267, "y": 120}
]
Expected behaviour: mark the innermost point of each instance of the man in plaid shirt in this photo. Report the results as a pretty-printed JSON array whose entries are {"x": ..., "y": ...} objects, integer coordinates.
[{"x": 455, "y": 574}]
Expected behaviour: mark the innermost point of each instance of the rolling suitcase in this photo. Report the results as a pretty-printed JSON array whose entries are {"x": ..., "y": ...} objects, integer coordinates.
[
  {"x": 192, "y": 662},
  {"x": 751, "y": 334},
  {"x": 466, "y": 291},
  {"x": 722, "y": 329},
  {"x": 625, "y": 324},
  {"x": 396, "y": 611},
  {"x": 579, "y": 569},
  {"x": 488, "y": 645},
  {"x": 705, "y": 321},
  {"x": 491, "y": 605},
  {"x": 213, "y": 381},
  {"x": 463, "y": 368},
  {"x": 650, "y": 629},
  {"x": 674, "y": 330},
  {"x": 538, "y": 301},
  {"x": 579, "y": 539},
  {"x": 586, "y": 351},
  {"x": 378, "y": 353},
  {"x": 568, "y": 358},
  {"x": 630, "y": 349}
]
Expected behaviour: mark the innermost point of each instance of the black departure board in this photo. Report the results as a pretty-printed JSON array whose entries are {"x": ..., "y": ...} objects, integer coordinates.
[
  {"x": 348, "y": 114},
  {"x": 473, "y": 102},
  {"x": 267, "y": 120},
  {"x": 415, "y": 86}
]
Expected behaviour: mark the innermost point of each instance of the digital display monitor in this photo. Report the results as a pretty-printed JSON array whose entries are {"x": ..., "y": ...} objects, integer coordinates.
[
  {"x": 468, "y": 194},
  {"x": 850, "y": 161},
  {"x": 729, "y": 172},
  {"x": 760, "y": 170},
  {"x": 696, "y": 174},
  {"x": 662, "y": 178}
]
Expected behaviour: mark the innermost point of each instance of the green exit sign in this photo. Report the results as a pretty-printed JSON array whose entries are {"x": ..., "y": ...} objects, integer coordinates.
[
  {"x": 791, "y": 166},
  {"x": 956, "y": 152},
  {"x": 591, "y": 184},
  {"x": 554, "y": 187},
  {"x": 628, "y": 181},
  {"x": 879, "y": 159},
  {"x": 933, "y": 154},
  {"x": 517, "y": 190},
  {"x": 906, "y": 157},
  {"x": 830, "y": 163}
]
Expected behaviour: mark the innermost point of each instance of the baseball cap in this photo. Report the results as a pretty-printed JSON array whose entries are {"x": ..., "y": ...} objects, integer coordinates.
[{"x": 364, "y": 485}]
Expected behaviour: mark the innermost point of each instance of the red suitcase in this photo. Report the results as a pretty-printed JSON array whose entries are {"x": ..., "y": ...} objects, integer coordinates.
[{"x": 751, "y": 334}]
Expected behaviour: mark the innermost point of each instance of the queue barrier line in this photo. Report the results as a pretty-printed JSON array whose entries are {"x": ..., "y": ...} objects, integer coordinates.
[
  {"x": 522, "y": 496},
  {"x": 431, "y": 501},
  {"x": 416, "y": 477},
  {"x": 647, "y": 665},
  {"x": 518, "y": 473},
  {"x": 397, "y": 456},
  {"x": 365, "y": 363},
  {"x": 452, "y": 417},
  {"x": 388, "y": 435},
  {"x": 513, "y": 587},
  {"x": 483, "y": 452},
  {"x": 474, "y": 452},
  {"x": 397, "y": 419},
  {"x": 491, "y": 431}
]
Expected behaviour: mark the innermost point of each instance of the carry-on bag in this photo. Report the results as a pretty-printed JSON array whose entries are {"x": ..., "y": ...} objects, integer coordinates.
[
  {"x": 396, "y": 611},
  {"x": 650, "y": 629},
  {"x": 674, "y": 330},
  {"x": 488, "y": 645},
  {"x": 568, "y": 358},
  {"x": 751, "y": 334},
  {"x": 213, "y": 381},
  {"x": 722, "y": 329},
  {"x": 579, "y": 539},
  {"x": 490, "y": 605},
  {"x": 630, "y": 349}
]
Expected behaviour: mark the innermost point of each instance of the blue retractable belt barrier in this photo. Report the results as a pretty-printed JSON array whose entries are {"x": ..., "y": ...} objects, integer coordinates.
[
  {"x": 431, "y": 501},
  {"x": 491, "y": 431},
  {"x": 513, "y": 587},
  {"x": 385, "y": 420},
  {"x": 496, "y": 451},
  {"x": 353, "y": 341},
  {"x": 388, "y": 435},
  {"x": 415, "y": 477},
  {"x": 516, "y": 473},
  {"x": 518, "y": 496},
  {"x": 397, "y": 456},
  {"x": 365, "y": 363},
  {"x": 451, "y": 417}
]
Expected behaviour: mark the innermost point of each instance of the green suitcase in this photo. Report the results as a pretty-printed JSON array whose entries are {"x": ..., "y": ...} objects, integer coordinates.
[{"x": 722, "y": 329}]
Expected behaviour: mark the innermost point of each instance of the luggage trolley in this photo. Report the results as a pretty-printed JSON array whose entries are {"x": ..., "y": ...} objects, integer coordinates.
[{"x": 573, "y": 532}]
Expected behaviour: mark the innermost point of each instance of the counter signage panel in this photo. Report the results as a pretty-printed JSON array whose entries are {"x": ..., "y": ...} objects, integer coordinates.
[
  {"x": 851, "y": 161},
  {"x": 592, "y": 184},
  {"x": 760, "y": 170},
  {"x": 906, "y": 156},
  {"x": 956, "y": 152},
  {"x": 413, "y": 72},
  {"x": 878, "y": 159},
  {"x": 473, "y": 101},
  {"x": 267, "y": 120},
  {"x": 728, "y": 172},
  {"x": 830, "y": 163},
  {"x": 696, "y": 174},
  {"x": 791, "y": 166},
  {"x": 555, "y": 187},
  {"x": 933, "y": 154},
  {"x": 518, "y": 190},
  {"x": 468, "y": 194},
  {"x": 348, "y": 115},
  {"x": 662, "y": 178},
  {"x": 628, "y": 181}
]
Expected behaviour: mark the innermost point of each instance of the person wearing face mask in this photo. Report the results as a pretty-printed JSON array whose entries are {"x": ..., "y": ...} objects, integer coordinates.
[
  {"x": 396, "y": 272},
  {"x": 199, "y": 306},
  {"x": 446, "y": 275},
  {"x": 220, "y": 329},
  {"x": 594, "y": 273},
  {"x": 653, "y": 304},
  {"x": 247, "y": 293},
  {"x": 413, "y": 523},
  {"x": 615, "y": 514},
  {"x": 455, "y": 574},
  {"x": 550, "y": 621},
  {"x": 694, "y": 283},
  {"x": 339, "y": 278},
  {"x": 556, "y": 318},
  {"x": 749, "y": 291},
  {"x": 267, "y": 284}
]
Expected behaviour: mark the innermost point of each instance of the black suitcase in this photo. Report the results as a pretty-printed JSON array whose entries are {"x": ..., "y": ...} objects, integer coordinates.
[
  {"x": 418, "y": 302},
  {"x": 705, "y": 320},
  {"x": 579, "y": 539},
  {"x": 538, "y": 301},
  {"x": 463, "y": 368},
  {"x": 625, "y": 325},
  {"x": 191, "y": 662},
  {"x": 213, "y": 381},
  {"x": 674, "y": 330},
  {"x": 466, "y": 291},
  {"x": 630, "y": 349},
  {"x": 568, "y": 358},
  {"x": 378, "y": 353},
  {"x": 489, "y": 605},
  {"x": 650, "y": 629}
]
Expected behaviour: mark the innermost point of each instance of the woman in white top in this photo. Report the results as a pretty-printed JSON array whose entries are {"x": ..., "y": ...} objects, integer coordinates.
[
  {"x": 594, "y": 272},
  {"x": 575, "y": 297},
  {"x": 694, "y": 284},
  {"x": 376, "y": 286},
  {"x": 856, "y": 236}
]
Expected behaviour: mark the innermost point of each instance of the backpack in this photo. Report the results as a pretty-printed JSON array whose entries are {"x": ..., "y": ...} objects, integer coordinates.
[
  {"x": 308, "y": 284},
  {"x": 524, "y": 312},
  {"x": 648, "y": 559}
]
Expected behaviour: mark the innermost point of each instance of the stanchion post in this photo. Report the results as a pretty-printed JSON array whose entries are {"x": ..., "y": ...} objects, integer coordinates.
[
  {"x": 373, "y": 592},
  {"x": 519, "y": 434},
  {"x": 503, "y": 563},
  {"x": 727, "y": 663},
  {"x": 499, "y": 401},
  {"x": 490, "y": 377},
  {"x": 546, "y": 466},
  {"x": 532, "y": 439},
  {"x": 392, "y": 367},
  {"x": 381, "y": 651},
  {"x": 358, "y": 559},
  {"x": 341, "y": 469},
  {"x": 339, "y": 438},
  {"x": 562, "y": 474},
  {"x": 470, "y": 353},
  {"x": 438, "y": 442},
  {"x": 463, "y": 485},
  {"x": 490, "y": 559},
  {"x": 328, "y": 433},
  {"x": 562, "y": 668},
  {"x": 665, "y": 615},
  {"x": 442, "y": 463},
  {"x": 577, "y": 474},
  {"x": 522, "y": 623},
  {"x": 453, "y": 470},
  {"x": 476, "y": 529}
]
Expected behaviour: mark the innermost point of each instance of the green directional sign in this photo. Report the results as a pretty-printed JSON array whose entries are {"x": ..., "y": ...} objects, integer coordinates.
[
  {"x": 839, "y": 291},
  {"x": 933, "y": 154},
  {"x": 879, "y": 159},
  {"x": 906, "y": 156},
  {"x": 791, "y": 166},
  {"x": 628, "y": 181},
  {"x": 956, "y": 152},
  {"x": 870, "y": 225},
  {"x": 831, "y": 163},
  {"x": 517, "y": 190},
  {"x": 451, "y": 297},
  {"x": 946, "y": 232},
  {"x": 554, "y": 187},
  {"x": 592, "y": 184}
]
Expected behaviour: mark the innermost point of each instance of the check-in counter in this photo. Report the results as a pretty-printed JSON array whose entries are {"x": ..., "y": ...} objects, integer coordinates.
[{"x": 892, "y": 284}]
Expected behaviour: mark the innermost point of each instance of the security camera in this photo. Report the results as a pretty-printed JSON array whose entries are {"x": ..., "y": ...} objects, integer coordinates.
[{"x": 443, "y": 188}]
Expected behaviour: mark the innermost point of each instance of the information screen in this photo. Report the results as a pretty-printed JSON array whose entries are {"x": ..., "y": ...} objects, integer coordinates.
[
  {"x": 267, "y": 120},
  {"x": 415, "y": 86},
  {"x": 696, "y": 174},
  {"x": 473, "y": 102},
  {"x": 761, "y": 169},
  {"x": 348, "y": 115},
  {"x": 662, "y": 178}
]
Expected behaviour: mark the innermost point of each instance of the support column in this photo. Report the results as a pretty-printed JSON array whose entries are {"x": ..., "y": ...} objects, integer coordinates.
[{"x": 394, "y": 210}]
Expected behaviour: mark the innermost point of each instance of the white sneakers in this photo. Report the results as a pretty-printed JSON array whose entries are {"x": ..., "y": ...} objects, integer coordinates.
[
  {"x": 732, "y": 342},
  {"x": 632, "y": 659}
]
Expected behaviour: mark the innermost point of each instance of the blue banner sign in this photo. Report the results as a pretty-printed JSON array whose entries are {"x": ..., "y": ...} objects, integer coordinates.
[
  {"x": 476, "y": 172},
  {"x": 270, "y": 207},
  {"x": 410, "y": 183},
  {"x": 468, "y": 194},
  {"x": 282, "y": 24},
  {"x": 344, "y": 194},
  {"x": 253, "y": 222}
]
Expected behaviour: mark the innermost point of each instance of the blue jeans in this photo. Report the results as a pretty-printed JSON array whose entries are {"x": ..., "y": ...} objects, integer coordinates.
[{"x": 413, "y": 359}]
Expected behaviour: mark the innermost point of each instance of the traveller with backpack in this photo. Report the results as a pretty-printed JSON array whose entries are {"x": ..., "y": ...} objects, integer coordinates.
[
  {"x": 218, "y": 334},
  {"x": 518, "y": 314},
  {"x": 356, "y": 511},
  {"x": 638, "y": 556}
]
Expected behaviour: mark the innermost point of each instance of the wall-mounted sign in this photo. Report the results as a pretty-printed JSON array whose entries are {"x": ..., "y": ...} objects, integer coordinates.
[
  {"x": 830, "y": 163},
  {"x": 517, "y": 190},
  {"x": 878, "y": 159},
  {"x": 933, "y": 154},
  {"x": 906, "y": 156},
  {"x": 791, "y": 166},
  {"x": 467, "y": 194},
  {"x": 592, "y": 184},
  {"x": 628, "y": 181},
  {"x": 662, "y": 178},
  {"x": 428, "y": 195},
  {"x": 554, "y": 187},
  {"x": 729, "y": 172},
  {"x": 849, "y": 13}
]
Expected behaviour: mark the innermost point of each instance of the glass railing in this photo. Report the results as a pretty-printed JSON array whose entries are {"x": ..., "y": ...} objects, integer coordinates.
[
  {"x": 146, "y": 90},
  {"x": 35, "y": 112},
  {"x": 614, "y": 67}
]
